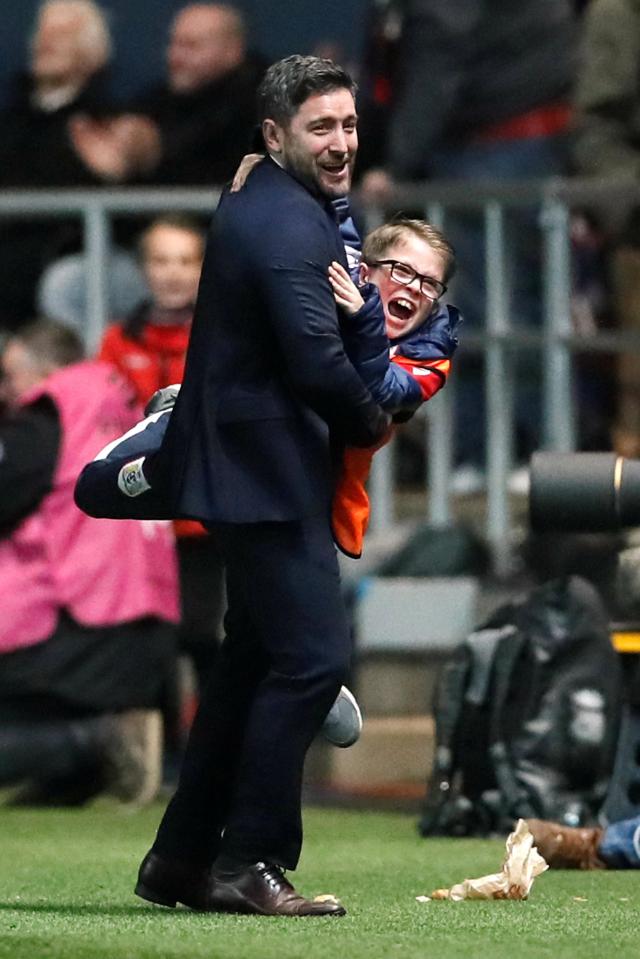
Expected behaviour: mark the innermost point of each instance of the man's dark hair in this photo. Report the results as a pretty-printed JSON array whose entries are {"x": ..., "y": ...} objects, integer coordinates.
[
  {"x": 51, "y": 343},
  {"x": 289, "y": 82}
]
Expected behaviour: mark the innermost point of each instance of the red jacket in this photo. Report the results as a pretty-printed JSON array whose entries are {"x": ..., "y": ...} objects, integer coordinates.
[{"x": 151, "y": 359}]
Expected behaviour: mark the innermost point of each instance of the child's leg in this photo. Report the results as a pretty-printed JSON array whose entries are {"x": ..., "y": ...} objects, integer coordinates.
[{"x": 113, "y": 485}]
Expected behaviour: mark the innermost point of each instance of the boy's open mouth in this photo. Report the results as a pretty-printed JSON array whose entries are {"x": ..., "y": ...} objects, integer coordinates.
[{"x": 401, "y": 308}]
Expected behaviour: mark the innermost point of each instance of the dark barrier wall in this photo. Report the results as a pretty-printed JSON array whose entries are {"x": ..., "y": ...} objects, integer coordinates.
[{"x": 277, "y": 28}]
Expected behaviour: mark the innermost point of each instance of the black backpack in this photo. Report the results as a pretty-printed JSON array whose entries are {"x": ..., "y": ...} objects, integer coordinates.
[{"x": 526, "y": 716}]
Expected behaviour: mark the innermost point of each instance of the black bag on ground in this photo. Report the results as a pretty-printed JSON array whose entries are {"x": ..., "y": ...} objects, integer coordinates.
[{"x": 526, "y": 716}]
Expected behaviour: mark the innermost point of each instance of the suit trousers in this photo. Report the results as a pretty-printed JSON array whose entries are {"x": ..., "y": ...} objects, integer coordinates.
[{"x": 285, "y": 654}]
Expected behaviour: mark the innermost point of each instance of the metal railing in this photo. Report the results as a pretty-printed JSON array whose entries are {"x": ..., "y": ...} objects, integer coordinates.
[{"x": 556, "y": 340}]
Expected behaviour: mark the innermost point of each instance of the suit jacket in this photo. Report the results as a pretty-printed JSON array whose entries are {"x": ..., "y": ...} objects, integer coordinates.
[{"x": 269, "y": 393}]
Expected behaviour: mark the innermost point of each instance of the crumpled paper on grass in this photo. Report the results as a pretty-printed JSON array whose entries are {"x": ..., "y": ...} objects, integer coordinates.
[{"x": 521, "y": 865}]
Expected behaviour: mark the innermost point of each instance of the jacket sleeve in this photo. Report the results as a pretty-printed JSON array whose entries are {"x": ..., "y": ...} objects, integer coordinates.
[
  {"x": 292, "y": 267},
  {"x": 607, "y": 91},
  {"x": 368, "y": 347}
]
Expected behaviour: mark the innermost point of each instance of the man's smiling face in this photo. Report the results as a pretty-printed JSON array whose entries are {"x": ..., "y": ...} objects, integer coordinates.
[
  {"x": 320, "y": 142},
  {"x": 405, "y": 306}
]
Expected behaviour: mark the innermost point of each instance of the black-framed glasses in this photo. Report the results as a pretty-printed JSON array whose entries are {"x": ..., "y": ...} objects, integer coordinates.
[{"x": 405, "y": 274}]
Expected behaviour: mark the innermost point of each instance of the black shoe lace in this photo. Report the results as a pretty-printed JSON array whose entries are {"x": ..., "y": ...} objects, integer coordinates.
[{"x": 273, "y": 874}]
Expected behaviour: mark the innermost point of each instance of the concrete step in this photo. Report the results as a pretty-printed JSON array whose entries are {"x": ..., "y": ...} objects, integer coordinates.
[
  {"x": 392, "y": 752},
  {"x": 396, "y": 684}
]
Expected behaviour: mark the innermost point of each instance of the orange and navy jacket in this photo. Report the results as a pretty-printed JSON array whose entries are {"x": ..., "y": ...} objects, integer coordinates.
[{"x": 410, "y": 373}]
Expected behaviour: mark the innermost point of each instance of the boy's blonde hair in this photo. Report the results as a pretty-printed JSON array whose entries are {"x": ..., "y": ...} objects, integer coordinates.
[{"x": 383, "y": 237}]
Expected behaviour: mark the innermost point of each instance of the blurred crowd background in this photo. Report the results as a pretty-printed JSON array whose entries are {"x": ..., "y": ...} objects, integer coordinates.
[
  {"x": 140, "y": 30},
  {"x": 134, "y": 93}
]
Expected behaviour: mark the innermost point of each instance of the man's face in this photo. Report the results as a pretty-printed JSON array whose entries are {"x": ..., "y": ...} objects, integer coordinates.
[
  {"x": 203, "y": 47},
  {"x": 20, "y": 372},
  {"x": 405, "y": 306},
  {"x": 320, "y": 143},
  {"x": 57, "y": 53},
  {"x": 172, "y": 264}
]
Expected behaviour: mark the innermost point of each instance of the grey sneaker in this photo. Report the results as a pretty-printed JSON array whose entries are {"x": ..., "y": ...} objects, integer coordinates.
[
  {"x": 132, "y": 752},
  {"x": 343, "y": 724},
  {"x": 163, "y": 399}
]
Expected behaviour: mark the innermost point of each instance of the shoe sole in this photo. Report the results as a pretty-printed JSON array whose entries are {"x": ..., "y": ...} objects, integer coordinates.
[
  {"x": 239, "y": 906},
  {"x": 151, "y": 895},
  {"x": 164, "y": 899}
]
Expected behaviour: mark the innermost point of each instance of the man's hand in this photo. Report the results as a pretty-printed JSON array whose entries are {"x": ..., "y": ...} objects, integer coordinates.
[
  {"x": 138, "y": 137},
  {"x": 118, "y": 148},
  {"x": 98, "y": 149},
  {"x": 346, "y": 293}
]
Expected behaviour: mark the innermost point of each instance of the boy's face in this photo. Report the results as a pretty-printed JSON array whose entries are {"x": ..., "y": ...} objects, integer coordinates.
[{"x": 405, "y": 305}]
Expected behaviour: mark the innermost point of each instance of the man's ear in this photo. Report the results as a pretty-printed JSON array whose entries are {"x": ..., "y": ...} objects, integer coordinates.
[
  {"x": 364, "y": 272},
  {"x": 272, "y": 136}
]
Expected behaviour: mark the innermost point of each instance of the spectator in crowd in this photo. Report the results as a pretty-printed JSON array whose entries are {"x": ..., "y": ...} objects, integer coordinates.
[
  {"x": 378, "y": 71},
  {"x": 69, "y": 53},
  {"x": 55, "y": 132},
  {"x": 616, "y": 846},
  {"x": 149, "y": 346},
  {"x": 86, "y": 620},
  {"x": 149, "y": 349},
  {"x": 196, "y": 125},
  {"x": 482, "y": 92},
  {"x": 607, "y": 144},
  {"x": 205, "y": 112}
]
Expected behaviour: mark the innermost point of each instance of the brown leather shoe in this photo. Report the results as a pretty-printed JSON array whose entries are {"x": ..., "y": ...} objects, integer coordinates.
[
  {"x": 565, "y": 847},
  {"x": 263, "y": 890},
  {"x": 167, "y": 882}
]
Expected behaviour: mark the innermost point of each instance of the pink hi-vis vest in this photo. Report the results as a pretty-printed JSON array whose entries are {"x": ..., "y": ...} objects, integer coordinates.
[{"x": 102, "y": 572}]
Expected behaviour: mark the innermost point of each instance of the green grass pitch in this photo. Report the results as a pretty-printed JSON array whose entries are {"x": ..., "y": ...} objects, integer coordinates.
[{"x": 66, "y": 879}]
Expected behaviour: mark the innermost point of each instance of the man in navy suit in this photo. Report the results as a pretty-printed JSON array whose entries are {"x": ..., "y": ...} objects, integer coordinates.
[{"x": 269, "y": 400}]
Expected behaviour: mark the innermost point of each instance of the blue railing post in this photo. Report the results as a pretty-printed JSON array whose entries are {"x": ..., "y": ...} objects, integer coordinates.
[
  {"x": 439, "y": 429},
  {"x": 558, "y": 403},
  {"x": 97, "y": 246},
  {"x": 498, "y": 388}
]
